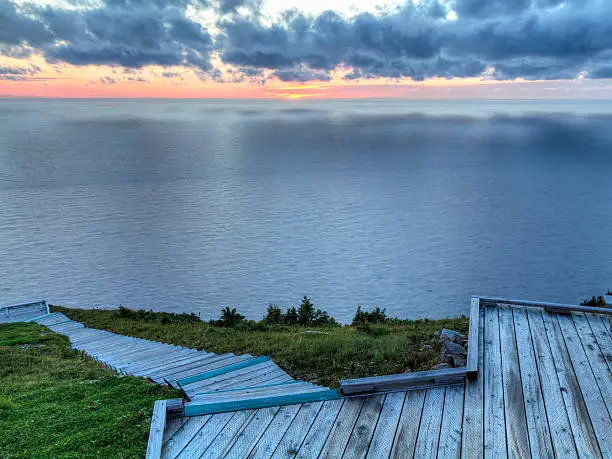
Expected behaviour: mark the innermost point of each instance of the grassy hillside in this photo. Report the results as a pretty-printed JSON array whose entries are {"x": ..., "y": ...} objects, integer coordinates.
[
  {"x": 322, "y": 354},
  {"x": 56, "y": 402}
]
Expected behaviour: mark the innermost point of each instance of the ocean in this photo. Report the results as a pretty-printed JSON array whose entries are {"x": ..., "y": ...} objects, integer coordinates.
[{"x": 411, "y": 206}]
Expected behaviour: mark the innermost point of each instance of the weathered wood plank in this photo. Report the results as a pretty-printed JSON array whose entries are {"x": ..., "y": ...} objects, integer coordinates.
[
  {"x": 382, "y": 440},
  {"x": 297, "y": 431},
  {"x": 452, "y": 419},
  {"x": 535, "y": 411},
  {"x": 578, "y": 415},
  {"x": 205, "y": 436},
  {"x": 195, "y": 408},
  {"x": 275, "y": 432},
  {"x": 603, "y": 337},
  {"x": 363, "y": 431},
  {"x": 595, "y": 402},
  {"x": 250, "y": 435},
  {"x": 517, "y": 437},
  {"x": 156, "y": 432},
  {"x": 172, "y": 425},
  {"x": 556, "y": 307},
  {"x": 473, "y": 339},
  {"x": 225, "y": 369},
  {"x": 596, "y": 357},
  {"x": 494, "y": 420},
  {"x": 431, "y": 419},
  {"x": 226, "y": 438},
  {"x": 408, "y": 426},
  {"x": 319, "y": 429},
  {"x": 183, "y": 436},
  {"x": 402, "y": 381},
  {"x": 472, "y": 445},
  {"x": 342, "y": 428}
]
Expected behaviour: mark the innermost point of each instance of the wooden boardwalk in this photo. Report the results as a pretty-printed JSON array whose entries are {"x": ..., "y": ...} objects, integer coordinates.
[{"x": 543, "y": 389}]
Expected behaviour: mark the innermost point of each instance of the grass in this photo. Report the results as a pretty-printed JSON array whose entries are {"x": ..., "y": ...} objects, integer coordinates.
[
  {"x": 56, "y": 402},
  {"x": 323, "y": 355}
]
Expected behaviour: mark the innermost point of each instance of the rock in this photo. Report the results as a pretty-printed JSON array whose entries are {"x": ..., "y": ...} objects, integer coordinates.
[
  {"x": 426, "y": 347},
  {"x": 441, "y": 366},
  {"x": 453, "y": 349},
  {"x": 449, "y": 335},
  {"x": 459, "y": 361}
]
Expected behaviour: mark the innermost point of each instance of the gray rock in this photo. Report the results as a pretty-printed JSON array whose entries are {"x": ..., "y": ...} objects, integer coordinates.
[
  {"x": 449, "y": 335},
  {"x": 426, "y": 347},
  {"x": 453, "y": 349},
  {"x": 459, "y": 361}
]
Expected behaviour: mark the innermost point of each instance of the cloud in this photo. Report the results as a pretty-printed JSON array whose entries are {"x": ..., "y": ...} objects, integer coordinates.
[
  {"x": 541, "y": 39},
  {"x": 131, "y": 34},
  {"x": 495, "y": 39}
]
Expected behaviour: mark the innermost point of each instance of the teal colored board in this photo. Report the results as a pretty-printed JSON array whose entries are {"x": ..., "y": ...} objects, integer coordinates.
[
  {"x": 279, "y": 400},
  {"x": 222, "y": 370}
]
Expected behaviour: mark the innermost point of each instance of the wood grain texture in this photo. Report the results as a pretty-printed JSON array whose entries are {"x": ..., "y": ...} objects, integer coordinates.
[
  {"x": 408, "y": 426},
  {"x": 472, "y": 445},
  {"x": 535, "y": 410},
  {"x": 382, "y": 440},
  {"x": 293, "y": 438},
  {"x": 319, "y": 430},
  {"x": 449, "y": 446},
  {"x": 517, "y": 438},
  {"x": 495, "y": 420},
  {"x": 431, "y": 419},
  {"x": 342, "y": 428},
  {"x": 593, "y": 398},
  {"x": 473, "y": 339},
  {"x": 580, "y": 421},
  {"x": 156, "y": 432},
  {"x": 359, "y": 442}
]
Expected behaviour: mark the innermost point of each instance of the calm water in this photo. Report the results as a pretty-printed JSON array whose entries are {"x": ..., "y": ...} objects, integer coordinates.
[{"x": 410, "y": 206}]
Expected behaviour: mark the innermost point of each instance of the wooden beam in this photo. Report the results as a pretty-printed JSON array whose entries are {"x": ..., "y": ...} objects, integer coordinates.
[
  {"x": 195, "y": 409},
  {"x": 550, "y": 307},
  {"x": 156, "y": 434},
  {"x": 404, "y": 381},
  {"x": 472, "y": 357}
]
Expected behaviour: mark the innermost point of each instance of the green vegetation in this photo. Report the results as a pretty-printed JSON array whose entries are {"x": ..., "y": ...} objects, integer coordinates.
[
  {"x": 599, "y": 302},
  {"x": 56, "y": 402},
  {"x": 320, "y": 351}
]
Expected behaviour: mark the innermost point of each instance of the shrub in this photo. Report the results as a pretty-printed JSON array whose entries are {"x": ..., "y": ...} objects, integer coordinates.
[
  {"x": 229, "y": 318},
  {"x": 599, "y": 302},
  {"x": 274, "y": 315},
  {"x": 374, "y": 316},
  {"x": 609, "y": 292},
  {"x": 291, "y": 317},
  {"x": 306, "y": 312}
]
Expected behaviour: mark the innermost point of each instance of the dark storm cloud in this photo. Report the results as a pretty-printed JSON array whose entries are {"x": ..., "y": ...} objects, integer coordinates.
[
  {"x": 542, "y": 39},
  {"x": 129, "y": 33},
  {"x": 497, "y": 39}
]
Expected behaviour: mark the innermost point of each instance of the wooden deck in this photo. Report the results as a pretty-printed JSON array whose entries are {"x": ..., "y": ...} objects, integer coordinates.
[{"x": 543, "y": 389}]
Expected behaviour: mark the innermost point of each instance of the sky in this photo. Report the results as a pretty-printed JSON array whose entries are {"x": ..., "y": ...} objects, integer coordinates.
[{"x": 296, "y": 49}]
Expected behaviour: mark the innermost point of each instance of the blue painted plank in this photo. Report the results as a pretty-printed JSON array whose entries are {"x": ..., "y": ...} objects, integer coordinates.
[
  {"x": 250, "y": 404},
  {"x": 222, "y": 370}
]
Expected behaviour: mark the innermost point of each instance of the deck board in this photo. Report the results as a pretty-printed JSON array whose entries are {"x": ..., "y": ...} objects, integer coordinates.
[
  {"x": 514, "y": 406},
  {"x": 452, "y": 423},
  {"x": 495, "y": 422},
  {"x": 540, "y": 442}
]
